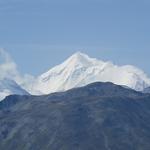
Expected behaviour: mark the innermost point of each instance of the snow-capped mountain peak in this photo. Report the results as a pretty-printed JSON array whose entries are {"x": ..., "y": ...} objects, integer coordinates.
[
  {"x": 82, "y": 59},
  {"x": 79, "y": 70},
  {"x": 79, "y": 58}
]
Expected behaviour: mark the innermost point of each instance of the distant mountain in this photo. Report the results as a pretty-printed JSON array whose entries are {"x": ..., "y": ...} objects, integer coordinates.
[
  {"x": 99, "y": 116},
  {"x": 80, "y": 70},
  {"x": 10, "y": 87}
]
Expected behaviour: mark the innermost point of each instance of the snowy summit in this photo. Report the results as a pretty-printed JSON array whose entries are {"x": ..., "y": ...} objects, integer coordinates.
[{"x": 80, "y": 70}]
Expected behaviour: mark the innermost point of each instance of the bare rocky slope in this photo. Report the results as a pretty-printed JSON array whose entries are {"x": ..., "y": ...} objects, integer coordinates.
[{"x": 99, "y": 116}]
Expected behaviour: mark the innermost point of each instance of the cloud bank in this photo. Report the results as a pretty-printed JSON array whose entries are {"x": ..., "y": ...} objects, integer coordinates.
[{"x": 8, "y": 69}]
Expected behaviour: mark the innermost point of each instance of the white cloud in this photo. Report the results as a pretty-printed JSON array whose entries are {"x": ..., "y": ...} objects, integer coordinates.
[{"x": 8, "y": 69}]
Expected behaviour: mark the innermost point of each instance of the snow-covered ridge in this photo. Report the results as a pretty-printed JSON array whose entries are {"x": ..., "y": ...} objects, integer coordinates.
[
  {"x": 9, "y": 87},
  {"x": 80, "y": 70}
]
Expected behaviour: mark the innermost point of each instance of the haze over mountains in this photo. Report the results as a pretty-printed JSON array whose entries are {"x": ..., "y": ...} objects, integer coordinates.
[{"x": 79, "y": 70}]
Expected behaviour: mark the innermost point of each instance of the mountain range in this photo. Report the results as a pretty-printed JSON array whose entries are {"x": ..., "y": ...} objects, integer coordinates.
[
  {"x": 81, "y": 104},
  {"x": 100, "y": 115},
  {"x": 80, "y": 70}
]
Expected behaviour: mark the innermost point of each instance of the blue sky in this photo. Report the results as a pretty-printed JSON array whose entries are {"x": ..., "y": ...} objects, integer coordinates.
[{"x": 42, "y": 33}]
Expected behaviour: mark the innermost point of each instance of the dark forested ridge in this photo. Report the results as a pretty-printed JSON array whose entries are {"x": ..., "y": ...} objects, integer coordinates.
[{"x": 99, "y": 116}]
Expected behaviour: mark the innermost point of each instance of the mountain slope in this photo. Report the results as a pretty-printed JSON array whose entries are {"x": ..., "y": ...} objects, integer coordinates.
[
  {"x": 10, "y": 87},
  {"x": 146, "y": 90},
  {"x": 80, "y": 70},
  {"x": 98, "y": 116}
]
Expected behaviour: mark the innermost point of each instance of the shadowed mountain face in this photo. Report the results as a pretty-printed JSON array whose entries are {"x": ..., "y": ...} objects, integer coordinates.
[
  {"x": 100, "y": 116},
  {"x": 146, "y": 90}
]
